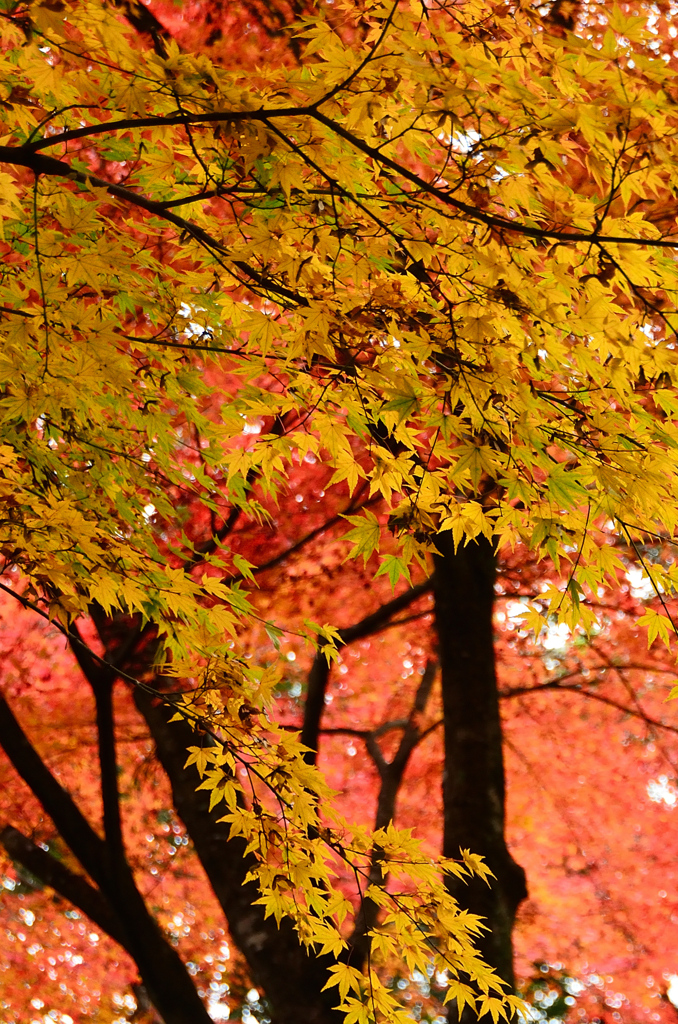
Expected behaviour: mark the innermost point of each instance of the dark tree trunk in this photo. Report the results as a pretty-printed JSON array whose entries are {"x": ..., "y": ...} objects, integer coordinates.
[
  {"x": 290, "y": 978},
  {"x": 473, "y": 780}
]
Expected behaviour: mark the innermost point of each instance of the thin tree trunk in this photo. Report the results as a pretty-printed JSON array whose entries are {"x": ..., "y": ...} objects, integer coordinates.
[{"x": 473, "y": 780}]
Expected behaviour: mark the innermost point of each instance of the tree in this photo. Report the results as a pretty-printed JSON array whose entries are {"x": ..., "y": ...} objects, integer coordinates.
[{"x": 451, "y": 287}]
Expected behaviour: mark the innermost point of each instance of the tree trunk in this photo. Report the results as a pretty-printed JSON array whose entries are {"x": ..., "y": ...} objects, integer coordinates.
[
  {"x": 473, "y": 780},
  {"x": 290, "y": 978}
]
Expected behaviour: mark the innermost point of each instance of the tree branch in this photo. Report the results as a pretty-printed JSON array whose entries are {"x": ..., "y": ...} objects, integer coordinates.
[
  {"x": 27, "y": 156},
  {"x": 145, "y": 22},
  {"x": 47, "y": 165},
  {"x": 311, "y": 535},
  {"x": 554, "y": 684},
  {"x": 319, "y": 674},
  {"x": 76, "y": 831},
  {"x": 101, "y": 680},
  {"x": 373, "y": 622},
  {"x": 391, "y": 776},
  {"x": 73, "y": 887}
]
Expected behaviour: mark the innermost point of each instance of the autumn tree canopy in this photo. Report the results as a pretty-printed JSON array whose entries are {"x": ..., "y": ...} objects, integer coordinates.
[{"x": 421, "y": 259}]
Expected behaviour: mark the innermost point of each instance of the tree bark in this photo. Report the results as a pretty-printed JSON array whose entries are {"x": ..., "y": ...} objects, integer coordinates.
[
  {"x": 290, "y": 978},
  {"x": 473, "y": 779}
]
